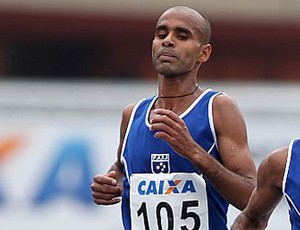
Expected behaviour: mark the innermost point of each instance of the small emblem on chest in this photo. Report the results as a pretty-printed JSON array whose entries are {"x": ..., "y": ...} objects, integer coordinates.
[{"x": 160, "y": 163}]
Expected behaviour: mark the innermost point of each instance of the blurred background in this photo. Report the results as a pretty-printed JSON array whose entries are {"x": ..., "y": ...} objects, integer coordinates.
[{"x": 69, "y": 67}]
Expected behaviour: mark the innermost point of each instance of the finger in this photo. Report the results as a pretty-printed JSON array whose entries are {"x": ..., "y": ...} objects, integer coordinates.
[
  {"x": 107, "y": 202},
  {"x": 162, "y": 127},
  {"x": 169, "y": 113},
  {"x": 111, "y": 174},
  {"x": 105, "y": 196},
  {"x": 165, "y": 124},
  {"x": 105, "y": 188},
  {"x": 169, "y": 117},
  {"x": 106, "y": 179}
]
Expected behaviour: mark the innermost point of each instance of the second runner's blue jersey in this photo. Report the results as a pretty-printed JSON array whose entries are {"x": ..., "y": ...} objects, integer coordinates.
[{"x": 291, "y": 183}]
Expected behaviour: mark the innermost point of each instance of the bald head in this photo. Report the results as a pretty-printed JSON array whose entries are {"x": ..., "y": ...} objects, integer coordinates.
[{"x": 197, "y": 19}]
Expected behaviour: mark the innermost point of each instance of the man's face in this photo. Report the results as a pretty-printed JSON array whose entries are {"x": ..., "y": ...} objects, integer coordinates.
[{"x": 176, "y": 45}]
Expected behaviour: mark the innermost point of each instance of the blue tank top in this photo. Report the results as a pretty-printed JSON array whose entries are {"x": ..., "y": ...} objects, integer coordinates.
[
  {"x": 291, "y": 183},
  {"x": 153, "y": 160}
]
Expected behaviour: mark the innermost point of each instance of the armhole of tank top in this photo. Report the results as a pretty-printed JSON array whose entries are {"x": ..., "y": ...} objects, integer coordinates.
[
  {"x": 211, "y": 121},
  {"x": 148, "y": 111},
  {"x": 287, "y": 166},
  {"x": 125, "y": 138}
]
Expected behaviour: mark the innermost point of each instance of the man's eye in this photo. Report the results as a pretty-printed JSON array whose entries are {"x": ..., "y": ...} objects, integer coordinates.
[
  {"x": 161, "y": 35},
  {"x": 182, "y": 36}
]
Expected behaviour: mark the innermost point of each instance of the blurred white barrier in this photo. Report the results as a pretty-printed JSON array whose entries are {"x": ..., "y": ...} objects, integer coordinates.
[{"x": 54, "y": 136}]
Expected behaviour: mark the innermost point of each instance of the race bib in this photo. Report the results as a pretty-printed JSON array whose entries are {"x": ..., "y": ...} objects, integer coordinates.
[{"x": 176, "y": 201}]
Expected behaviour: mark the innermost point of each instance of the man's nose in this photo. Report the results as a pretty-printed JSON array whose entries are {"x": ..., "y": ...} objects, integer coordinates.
[{"x": 168, "y": 41}]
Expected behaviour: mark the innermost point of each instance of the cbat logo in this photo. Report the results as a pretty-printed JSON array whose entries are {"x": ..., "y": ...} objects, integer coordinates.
[
  {"x": 73, "y": 164},
  {"x": 160, "y": 163},
  {"x": 69, "y": 174},
  {"x": 165, "y": 187}
]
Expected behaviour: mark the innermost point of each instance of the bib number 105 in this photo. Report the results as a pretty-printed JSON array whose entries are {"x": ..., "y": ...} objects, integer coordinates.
[{"x": 164, "y": 206}]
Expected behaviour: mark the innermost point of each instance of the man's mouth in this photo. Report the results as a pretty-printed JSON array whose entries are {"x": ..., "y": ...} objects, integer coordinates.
[{"x": 166, "y": 56}]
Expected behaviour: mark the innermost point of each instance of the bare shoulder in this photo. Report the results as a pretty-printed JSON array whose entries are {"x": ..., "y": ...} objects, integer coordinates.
[
  {"x": 274, "y": 165},
  {"x": 126, "y": 117},
  {"x": 224, "y": 101},
  {"x": 276, "y": 160},
  {"x": 123, "y": 127},
  {"x": 226, "y": 109},
  {"x": 127, "y": 111}
]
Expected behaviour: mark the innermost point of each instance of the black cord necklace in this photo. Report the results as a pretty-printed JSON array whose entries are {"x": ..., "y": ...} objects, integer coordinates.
[{"x": 184, "y": 95}]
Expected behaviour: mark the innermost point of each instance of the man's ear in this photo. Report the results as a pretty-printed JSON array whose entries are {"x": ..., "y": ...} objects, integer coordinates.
[{"x": 205, "y": 53}]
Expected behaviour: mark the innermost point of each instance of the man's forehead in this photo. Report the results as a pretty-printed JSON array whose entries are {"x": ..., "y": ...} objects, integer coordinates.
[
  {"x": 173, "y": 20},
  {"x": 182, "y": 18}
]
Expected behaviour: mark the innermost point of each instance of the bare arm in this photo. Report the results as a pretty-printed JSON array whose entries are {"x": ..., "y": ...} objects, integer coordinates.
[
  {"x": 107, "y": 188},
  {"x": 239, "y": 173},
  {"x": 237, "y": 178},
  {"x": 266, "y": 195}
]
